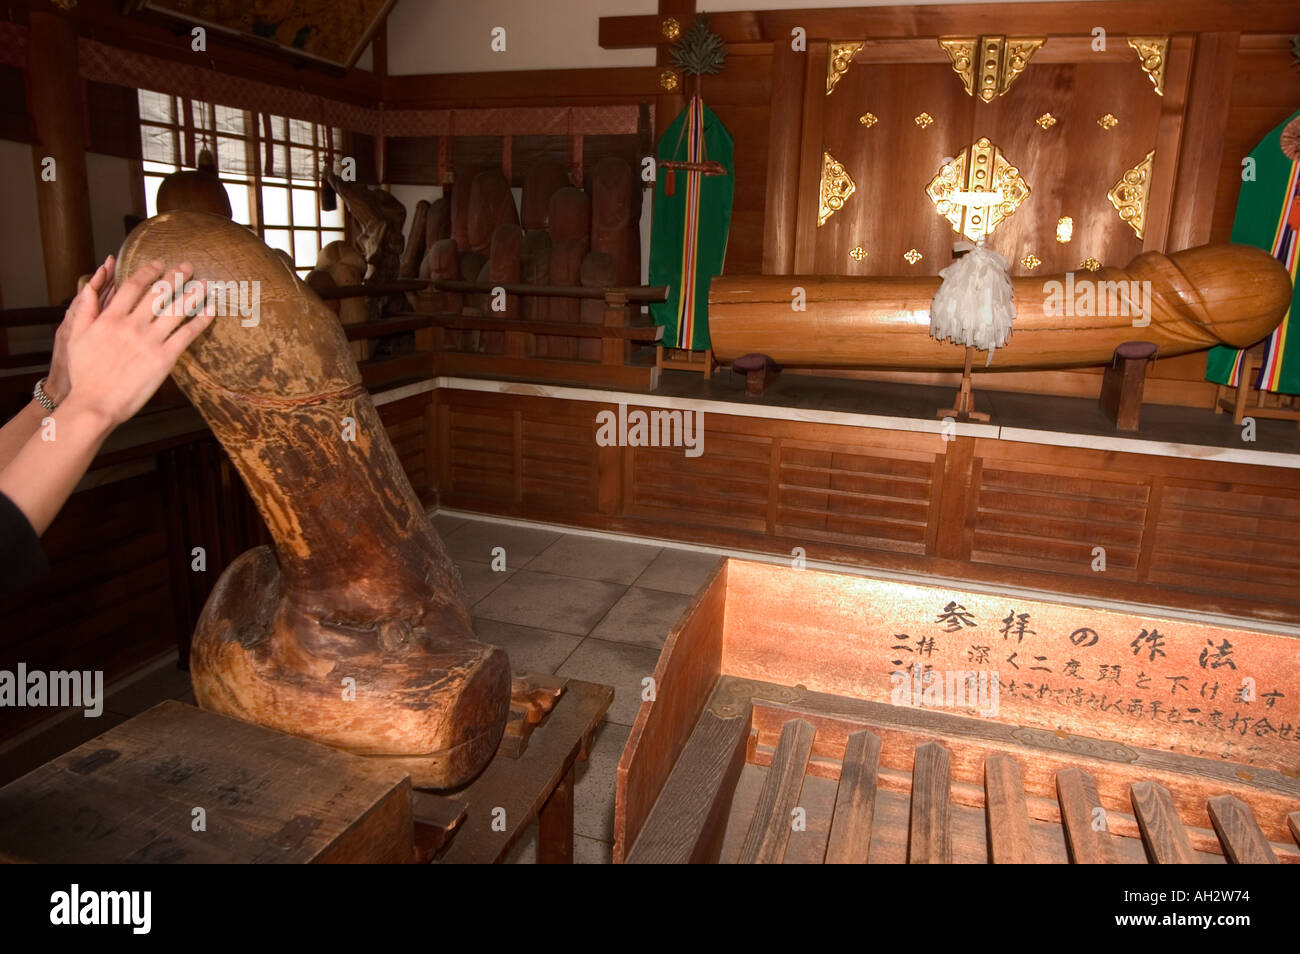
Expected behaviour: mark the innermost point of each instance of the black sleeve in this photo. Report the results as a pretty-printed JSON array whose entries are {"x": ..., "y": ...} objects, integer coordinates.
[{"x": 22, "y": 561}]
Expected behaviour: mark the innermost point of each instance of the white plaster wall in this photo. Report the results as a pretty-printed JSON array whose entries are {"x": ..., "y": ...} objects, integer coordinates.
[
  {"x": 454, "y": 36},
  {"x": 22, "y": 269}
]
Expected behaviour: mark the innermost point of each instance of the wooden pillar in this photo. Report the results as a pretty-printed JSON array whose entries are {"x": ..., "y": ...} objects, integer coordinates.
[
  {"x": 669, "y": 104},
  {"x": 789, "y": 71},
  {"x": 54, "y": 103}
]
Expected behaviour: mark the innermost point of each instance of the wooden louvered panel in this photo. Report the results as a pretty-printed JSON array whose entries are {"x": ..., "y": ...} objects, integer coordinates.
[
  {"x": 1092, "y": 510},
  {"x": 462, "y": 440},
  {"x": 548, "y": 431},
  {"x": 891, "y": 488},
  {"x": 665, "y": 483},
  {"x": 558, "y": 459},
  {"x": 534, "y": 449},
  {"x": 1036, "y": 525},
  {"x": 1284, "y": 555},
  {"x": 1062, "y": 556},
  {"x": 860, "y": 505},
  {"x": 915, "y": 468},
  {"x": 836, "y": 495},
  {"x": 485, "y": 422},
  {"x": 839, "y": 528},
  {"x": 482, "y": 483},
  {"x": 1237, "y": 498},
  {"x": 1046, "y": 518},
  {"x": 492, "y": 463},
  {"x": 1228, "y": 538},
  {"x": 1047, "y": 481},
  {"x": 1257, "y": 526}
]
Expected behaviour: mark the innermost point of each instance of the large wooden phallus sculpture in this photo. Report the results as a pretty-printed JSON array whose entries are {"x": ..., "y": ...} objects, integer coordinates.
[
  {"x": 354, "y": 629},
  {"x": 1183, "y": 302}
]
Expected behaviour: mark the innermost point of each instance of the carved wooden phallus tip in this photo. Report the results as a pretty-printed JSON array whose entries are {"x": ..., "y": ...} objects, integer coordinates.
[
  {"x": 198, "y": 190},
  {"x": 353, "y": 629}
]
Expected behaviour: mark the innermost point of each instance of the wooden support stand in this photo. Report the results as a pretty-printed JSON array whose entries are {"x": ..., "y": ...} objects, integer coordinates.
[
  {"x": 965, "y": 403},
  {"x": 759, "y": 371},
  {"x": 1284, "y": 407},
  {"x": 684, "y": 359},
  {"x": 1121, "y": 387}
]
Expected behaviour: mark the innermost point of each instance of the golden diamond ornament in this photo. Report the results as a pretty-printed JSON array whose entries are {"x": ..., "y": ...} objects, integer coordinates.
[{"x": 977, "y": 190}]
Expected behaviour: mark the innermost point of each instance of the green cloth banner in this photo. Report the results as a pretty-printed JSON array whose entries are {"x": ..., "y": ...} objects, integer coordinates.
[
  {"x": 1268, "y": 216},
  {"x": 688, "y": 239}
]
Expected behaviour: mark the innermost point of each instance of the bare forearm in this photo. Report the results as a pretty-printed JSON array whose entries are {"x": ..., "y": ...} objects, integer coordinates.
[
  {"x": 17, "y": 431},
  {"x": 42, "y": 474}
]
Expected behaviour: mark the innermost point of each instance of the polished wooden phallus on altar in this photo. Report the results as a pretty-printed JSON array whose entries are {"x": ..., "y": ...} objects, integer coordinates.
[
  {"x": 353, "y": 629},
  {"x": 1194, "y": 299}
]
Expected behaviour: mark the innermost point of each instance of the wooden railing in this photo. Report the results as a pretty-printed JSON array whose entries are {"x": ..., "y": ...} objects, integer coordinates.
[{"x": 617, "y": 366}]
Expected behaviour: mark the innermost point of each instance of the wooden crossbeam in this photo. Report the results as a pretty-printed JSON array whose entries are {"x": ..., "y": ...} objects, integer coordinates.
[
  {"x": 1162, "y": 830},
  {"x": 929, "y": 830},
  {"x": 855, "y": 802},
  {"x": 1006, "y": 812},
  {"x": 769, "y": 832},
  {"x": 1084, "y": 819},
  {"x": 1243, "y": 841}
]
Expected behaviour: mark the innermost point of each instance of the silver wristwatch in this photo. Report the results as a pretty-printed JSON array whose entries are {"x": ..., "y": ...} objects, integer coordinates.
[{"x": 42, "y": 398}]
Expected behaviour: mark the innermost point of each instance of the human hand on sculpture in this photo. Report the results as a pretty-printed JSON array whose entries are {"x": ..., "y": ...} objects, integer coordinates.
[
  {"x": 100, "y": 293},
  {"x": 118, "y": 356}
]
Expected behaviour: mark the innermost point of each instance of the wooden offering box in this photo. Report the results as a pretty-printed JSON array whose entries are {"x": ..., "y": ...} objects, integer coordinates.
[{"x": 806, "y": 716}]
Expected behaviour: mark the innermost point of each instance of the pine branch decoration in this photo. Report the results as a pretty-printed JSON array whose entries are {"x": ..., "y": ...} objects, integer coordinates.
[
  {"x": 700, "y": 51},
  {"x": 1295, "y": 51}
]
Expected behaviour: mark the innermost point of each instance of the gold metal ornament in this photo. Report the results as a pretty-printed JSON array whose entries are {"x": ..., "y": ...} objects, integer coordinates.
[
  {"x": 839, "y": 56},
  {"x": 858, "y": 254},
  {"x": 912, "y": 256},
  {"x": 988, "y": 65},
  {"x": 668, "y": 80},
  {"x": 961, "y": 53},
  {"x": 1153, "y": 52},
  {"x": 977, "y": 190},
  {"x": 1031, "y": 261},
  {"x": 1046, "y": 121},
  {"x": 1108, "y": 121},
  {"x": 1129, "y": 195},
  {"x": 923, "y": 120},
  {"x": 1091, "y": 264},
  {"x": 1064, "y": 229},
  {"x": 671, "y": 28},
  {"x": 836, "y": 188},
  {"x": 1016, "y": 56},
  {"x": 868, "y": 119}
]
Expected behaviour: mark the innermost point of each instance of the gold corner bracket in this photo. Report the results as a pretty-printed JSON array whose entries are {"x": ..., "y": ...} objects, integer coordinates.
[
  {"x": 836, "y": 188},
  {"x": 988, "y": 65},
  {"x": 1153, "y": 53},
  {"x": 1129, "y": 195},
  {"x": 839, "y": 56}
]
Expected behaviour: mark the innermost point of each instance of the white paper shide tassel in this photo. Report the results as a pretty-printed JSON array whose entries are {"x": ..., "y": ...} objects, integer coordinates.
[{"x": 974, "y": 306}]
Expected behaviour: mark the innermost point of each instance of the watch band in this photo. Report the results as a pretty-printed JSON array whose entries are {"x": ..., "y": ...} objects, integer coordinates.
[{"x": 42, "y": 398}]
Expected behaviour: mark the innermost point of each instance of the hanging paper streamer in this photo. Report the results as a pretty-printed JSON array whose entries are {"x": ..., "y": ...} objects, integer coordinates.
[
  {"x": 974, "y": 306},
  {"x": 688, "y": 242},
  {"x": 1268, "y": 216}
]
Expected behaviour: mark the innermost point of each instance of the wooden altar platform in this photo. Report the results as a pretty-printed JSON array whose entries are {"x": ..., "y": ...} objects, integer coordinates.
[{"x": 1183, "y": 513}]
